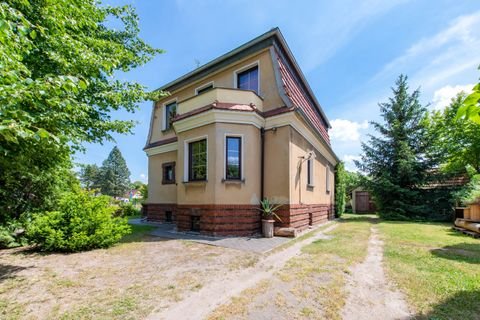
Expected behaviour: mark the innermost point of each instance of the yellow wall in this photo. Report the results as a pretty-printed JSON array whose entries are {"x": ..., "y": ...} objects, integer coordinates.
[
  {"x": 277, "y": 164},
  {"x": 224, "y": 78},
  {"x": 158, "y": 193},
  {"x": 300, "y": 192}
]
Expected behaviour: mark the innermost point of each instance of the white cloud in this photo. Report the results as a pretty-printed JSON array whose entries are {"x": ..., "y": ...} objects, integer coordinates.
[
  {"x": 349, "y": 159},
  {"x": 441, "y": 58},
  {"x": 443, "y": 96},
  {"x": 143, "y": 177},
  {"x": 346, "y": 130}
]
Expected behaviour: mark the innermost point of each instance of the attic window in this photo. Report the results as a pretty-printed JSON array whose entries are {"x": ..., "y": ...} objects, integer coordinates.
[
  {"x": 248, "y": 79},
  {"x": 205, "y": 88}
]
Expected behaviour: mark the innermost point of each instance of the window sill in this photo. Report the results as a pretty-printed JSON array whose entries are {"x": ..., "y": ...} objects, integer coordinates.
[
  {"x": 195, "y": 183},
  {"x": 310, "y": 186},
  {"x": 233, "y": 181},
  {"x": 168, "y": 182}
]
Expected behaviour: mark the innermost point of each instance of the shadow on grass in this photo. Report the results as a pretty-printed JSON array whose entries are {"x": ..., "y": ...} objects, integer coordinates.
[
  {"x": 8, "y": 271},
  {"x": 462, "y": 305},
  {"x": 347, "y": 218},
  {"x": 466, "y": 252}
]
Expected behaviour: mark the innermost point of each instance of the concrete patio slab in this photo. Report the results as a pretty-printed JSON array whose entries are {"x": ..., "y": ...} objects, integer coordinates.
[{"x": 250, "y": 244}]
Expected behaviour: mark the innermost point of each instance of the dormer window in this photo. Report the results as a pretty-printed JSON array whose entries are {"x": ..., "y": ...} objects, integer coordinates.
[
  {"x": 204, "y": 88},
  {"x": 248, "y": 79}
]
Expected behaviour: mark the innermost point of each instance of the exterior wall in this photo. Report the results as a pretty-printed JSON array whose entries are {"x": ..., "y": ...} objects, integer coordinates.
[
  {"x": 223, "y": 78},
  {"x": 277, "y": 149},
  {"x": 300, "y": 192},
  {"x": 158, "y": 192},
  {"x": 219, "y": 220}
]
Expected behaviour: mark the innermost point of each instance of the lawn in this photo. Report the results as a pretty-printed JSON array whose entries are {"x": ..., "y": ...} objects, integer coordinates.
[{"x": 438, "y": 269}]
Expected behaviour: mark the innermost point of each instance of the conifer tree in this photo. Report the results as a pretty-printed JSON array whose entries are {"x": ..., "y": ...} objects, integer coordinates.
[
  {"x": 397, "y": 162},
  {"x": 115, "y": 176}
]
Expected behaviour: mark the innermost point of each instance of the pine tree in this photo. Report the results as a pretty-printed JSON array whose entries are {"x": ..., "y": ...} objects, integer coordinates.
[
  {"x": 115, "y": 176},
  {"x": 90, "y": 176},
  {"x": 396, "y": 161}
]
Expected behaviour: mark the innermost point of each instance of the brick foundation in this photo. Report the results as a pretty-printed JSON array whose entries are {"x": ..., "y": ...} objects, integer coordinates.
[
  {"x": 237, "y": 220},
  {"x": 158, "y": 212}
]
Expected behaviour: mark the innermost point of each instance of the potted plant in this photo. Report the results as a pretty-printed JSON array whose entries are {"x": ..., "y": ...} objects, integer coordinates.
[{"x": 268, "y": 214}]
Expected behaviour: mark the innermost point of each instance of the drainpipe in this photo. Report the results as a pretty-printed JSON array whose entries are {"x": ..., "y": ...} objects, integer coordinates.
[{"x": 262, "y": 162}]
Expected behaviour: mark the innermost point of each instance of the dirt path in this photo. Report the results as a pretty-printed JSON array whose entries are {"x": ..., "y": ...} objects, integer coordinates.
[
  {"x": 370, "y": 295},
  {"x": 201, "y": 303}
]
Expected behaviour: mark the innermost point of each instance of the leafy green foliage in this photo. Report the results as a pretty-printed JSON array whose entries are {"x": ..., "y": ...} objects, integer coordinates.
[
  {"x": 471, "y": 192},
  {"x": 57, "y": 90},
  {"x": 81, "y": 222},
  {"x": 397, "y": 161},
  {"x": 340, "y": 189},
  {"x": 90, "y": 176},
  {"x": 127, "y": 209},
  {"x": 269, "y": 209},
  {"x": 456, "y": 140},
  {"x": 114, "y": 174},
  {"x": 471, "y": 106},
  {"x": 12, "y": 234}
]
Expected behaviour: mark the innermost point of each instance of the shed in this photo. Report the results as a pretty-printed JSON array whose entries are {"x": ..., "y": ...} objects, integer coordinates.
[{"x": 362, "y": 201}]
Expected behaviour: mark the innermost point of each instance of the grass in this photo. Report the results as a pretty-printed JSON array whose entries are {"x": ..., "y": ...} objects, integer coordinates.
[
  {"x": 310, "y": 286},
  {"x": 139, "y": 232},
  {"x": 437, "y": 268}
]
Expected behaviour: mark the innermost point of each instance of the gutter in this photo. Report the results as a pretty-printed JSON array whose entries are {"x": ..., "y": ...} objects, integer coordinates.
[{"x": 262, "y": 163}]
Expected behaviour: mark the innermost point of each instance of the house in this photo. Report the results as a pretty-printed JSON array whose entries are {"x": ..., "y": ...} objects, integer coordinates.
[{"x": 243, "y": 127}]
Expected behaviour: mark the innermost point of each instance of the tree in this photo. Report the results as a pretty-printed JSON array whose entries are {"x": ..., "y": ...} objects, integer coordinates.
[
  {"x": 90, "y": 176},
  {"x": 397, "y": 162},
  {"x": 457, "y": 140},
  {"x": 57, "y": 90},
  {"x": 115, "y": 176},
  {"x": 471, "y": 106},
  {"x": 340, "y": 188}
]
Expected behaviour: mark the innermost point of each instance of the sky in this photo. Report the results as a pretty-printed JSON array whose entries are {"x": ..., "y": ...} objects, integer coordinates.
[{"x": 351, "y": 53}]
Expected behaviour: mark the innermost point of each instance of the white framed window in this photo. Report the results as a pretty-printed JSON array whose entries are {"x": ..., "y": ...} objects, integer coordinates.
[
  {"x": 196, "y": 159},
  {"x": 169, "y": 110},
  {"x": 310, "y": 168},
  {"x": 204, "y": 88},
  {"x": 233, "y": 157},
  {"x": 327, "y": 178},
  {"x": 248, "y": 77}
]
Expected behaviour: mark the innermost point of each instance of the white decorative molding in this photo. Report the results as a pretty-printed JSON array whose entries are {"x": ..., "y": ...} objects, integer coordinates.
[
  {"x": 223, "y": 116},
  {"x": 173, "y": 146}
]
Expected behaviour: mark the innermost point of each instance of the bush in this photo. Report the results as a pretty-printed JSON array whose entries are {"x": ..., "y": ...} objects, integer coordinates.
[
  {"x": 12, "y": 235},
  {"x": 126, "y": 209},
  {"x": 340, "y": 189},
  {"x": 82, "y": 222}
]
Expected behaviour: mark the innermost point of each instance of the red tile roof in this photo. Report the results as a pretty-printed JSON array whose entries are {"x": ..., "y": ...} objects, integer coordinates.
[{"x": 298, "y": 98}]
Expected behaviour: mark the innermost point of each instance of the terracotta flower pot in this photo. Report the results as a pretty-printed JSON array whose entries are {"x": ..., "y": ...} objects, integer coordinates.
[{"x": 267, "y": 228}]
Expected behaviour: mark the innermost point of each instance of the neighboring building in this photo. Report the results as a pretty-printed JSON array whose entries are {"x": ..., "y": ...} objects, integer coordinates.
[{"x": 234, "y": 131}]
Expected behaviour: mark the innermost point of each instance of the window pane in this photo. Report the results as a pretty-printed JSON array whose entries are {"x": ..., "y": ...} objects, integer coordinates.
[
  {"x": 248, "y": 80},
  {"x": 198, "y": 160},
  {"x": 233, "y": 165},
  {"x": 205, "y": 89},
  {"x": 170, "y": 112}
]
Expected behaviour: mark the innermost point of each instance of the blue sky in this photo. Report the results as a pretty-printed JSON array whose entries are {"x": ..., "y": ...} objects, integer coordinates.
[{"x": 350, "y": 51}]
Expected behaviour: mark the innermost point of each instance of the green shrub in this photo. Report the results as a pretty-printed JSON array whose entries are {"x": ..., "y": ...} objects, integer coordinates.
[
  {"x": 12, "y": 234},
  {"x": 126, "y": 209},
  {"x": 340, "y": 189},
  {"x": 82, "y": 222}
]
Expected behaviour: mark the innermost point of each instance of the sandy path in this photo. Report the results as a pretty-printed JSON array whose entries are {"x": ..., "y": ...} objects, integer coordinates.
[
  {"x": 370, "y": 295},
  {"x": 200, "y": 304}
]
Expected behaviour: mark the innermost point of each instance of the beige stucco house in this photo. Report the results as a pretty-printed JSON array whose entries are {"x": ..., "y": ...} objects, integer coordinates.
[{"x": 243, "y": 127}]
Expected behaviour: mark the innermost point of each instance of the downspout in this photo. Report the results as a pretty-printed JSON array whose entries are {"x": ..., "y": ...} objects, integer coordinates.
[{"x": 262, "y": 162}]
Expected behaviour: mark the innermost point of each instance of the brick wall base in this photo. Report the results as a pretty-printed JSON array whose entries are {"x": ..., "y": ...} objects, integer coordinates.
[
  {"x": 236, "y": 220},
  {"x": 160, "y": 212}
]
